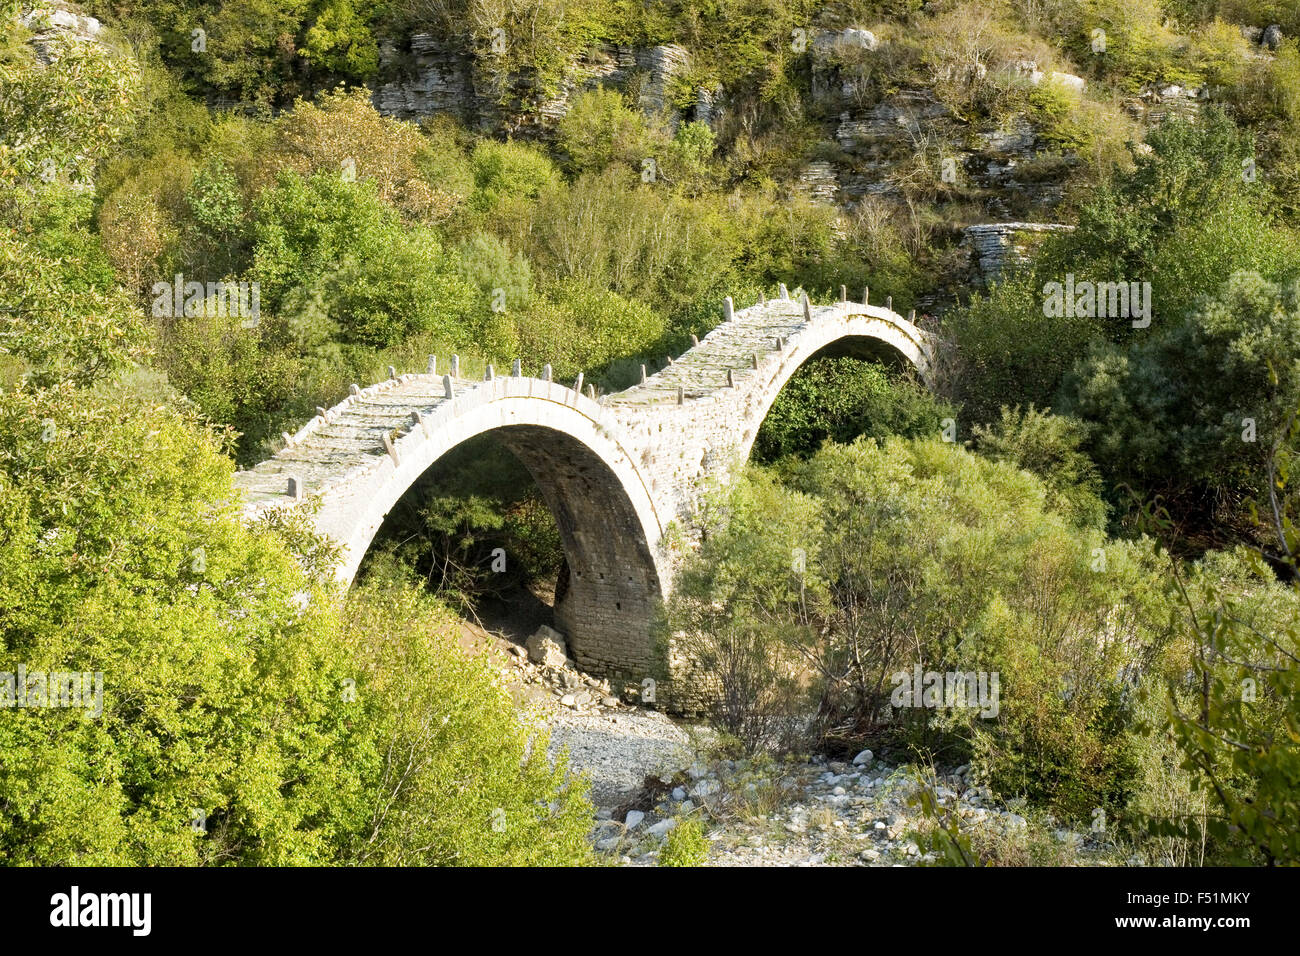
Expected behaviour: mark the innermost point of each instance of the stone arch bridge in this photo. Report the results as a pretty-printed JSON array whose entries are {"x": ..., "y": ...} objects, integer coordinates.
[{"x": 616, "y": 471}]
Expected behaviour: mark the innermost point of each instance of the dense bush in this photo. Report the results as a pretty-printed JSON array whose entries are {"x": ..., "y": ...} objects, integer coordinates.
[
  {"x": 1048, "y": 446},
  {"x": 579, "y": 327},
  {"x": 1199, "y": 405},
  {"x": 840, "y": 399},
  {"x": 61, "y": 119},
  {"x": 881, "y": 557},
  {"x": 1184, "y": 220}
]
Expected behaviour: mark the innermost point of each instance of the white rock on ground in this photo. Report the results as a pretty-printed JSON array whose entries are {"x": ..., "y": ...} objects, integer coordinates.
[{"x": 546, "y": 646}]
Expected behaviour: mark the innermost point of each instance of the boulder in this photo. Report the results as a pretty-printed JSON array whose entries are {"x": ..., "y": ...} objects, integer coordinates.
[
  {"x": 661, "y": 828},
  {"x": 706, "y": 788},
  {"x": 850, "y": 39},
  {"x": 863, "y": 759},
  {"x": 547, "y": 647},
  {"x": 1272, "y": 36}
]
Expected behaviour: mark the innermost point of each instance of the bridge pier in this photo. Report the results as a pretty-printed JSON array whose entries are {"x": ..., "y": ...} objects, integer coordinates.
[{"x": 606, "y": 603}]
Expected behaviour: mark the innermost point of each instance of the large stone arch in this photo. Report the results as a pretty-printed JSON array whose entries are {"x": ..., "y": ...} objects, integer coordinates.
[{"x": 606, "y": 517}]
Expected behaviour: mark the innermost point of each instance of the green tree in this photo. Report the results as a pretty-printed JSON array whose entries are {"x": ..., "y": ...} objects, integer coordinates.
[
  {"x": 838, "y": 400},
  {"x": 339, "y": 40},
  {"x": 1048, "y": 446},
  {"x": 1197, "y": 405},
  {"x": 600, "y": 129}
]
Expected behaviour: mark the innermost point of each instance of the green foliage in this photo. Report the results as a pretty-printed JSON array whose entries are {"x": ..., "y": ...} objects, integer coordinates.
[
  {"x": 838, "y": 399},
  {"x": 1184, "y": 220},
  {"x": 735, "y": 603},
  {"x": 340, "y": 41},
  {"x": 600, "y": 129},
  {"x": 1048, "y": 446},
  {"x": 60, "y": 327},
  {"x": 612, "y": 231},
  {"x": 215, "y": 233},
  {"x": 580, "y": 327},
  {"x": 921, "y": 554},
  {"x": 58, "y": 121},
  {"x": 342, "y": 133},
  {"x": 1200, "y": 404},
  {"x": 237, "y": 376},
  {"x": 409, "y": 286},
  {"x": 215, "y": 200},
  {"x": 304, "y": 227},
  {"x": 254, "y": 51},
  {"x": 1232, "y": 714},
  {"x": 685, "y": 845},
  {"x": 475, "y": 786},
  {"x": 508, "y": 170},
  {"x": 1008, "y": 352},
  {"x": 502, "y": 278},
  {"x": 218, "y": 689}
]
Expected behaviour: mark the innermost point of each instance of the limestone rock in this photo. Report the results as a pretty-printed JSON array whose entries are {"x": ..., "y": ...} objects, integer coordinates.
[
  {"x": 661, "y": 828},
  {"x": 825, "y": 44},
  {"x": 998, "y": 247},
  {"x": 546, "y": 646}
]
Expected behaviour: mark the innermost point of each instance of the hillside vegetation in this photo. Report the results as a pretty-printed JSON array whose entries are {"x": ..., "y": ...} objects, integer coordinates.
[{"x": 1098, "y": 508}]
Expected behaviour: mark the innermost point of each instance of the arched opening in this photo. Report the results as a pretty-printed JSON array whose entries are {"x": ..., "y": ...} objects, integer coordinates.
[
  {"x": 542, "y": 510},
  {"x": 852, "y": 386}
]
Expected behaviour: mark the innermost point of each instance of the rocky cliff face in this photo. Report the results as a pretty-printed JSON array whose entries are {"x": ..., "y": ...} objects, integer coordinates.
[
  {"x": 874, "y": 139},
  {"x": 56, "y": 20},
  {"x": 426, "y": 75}
]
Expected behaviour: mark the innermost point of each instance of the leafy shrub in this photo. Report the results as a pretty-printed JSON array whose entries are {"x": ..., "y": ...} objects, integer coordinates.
[
  {"x": 340, "y": 41},
  {"x": 508, "y": 170},
  {"x": 1048, "y": 446},
  {"x": 1199, "y": 404},
  {"x": 62, "y": 329},
  {"x": 685, "y": 845},
  {"x": 61, "y": 119},
  {"x": 141, "y": 223},
  {"x": 881, "y": 558},
  {"x": 599, "y": 129},
  {"x": 502, "y": 278},
  {"x": 478, "y": 788},
  {"x": 733, "y": 608},
  {"x": 577, "y": 327},
  {"x": 306, "y": 226},
  {"x": 345, "y": 135},
  {"x": 410, "y": 285},
  {"x": 838, "y": 399},
  {"x": 1008, "y": 352},
  {"x": 611, "y": 231}
]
